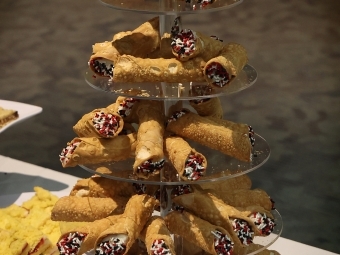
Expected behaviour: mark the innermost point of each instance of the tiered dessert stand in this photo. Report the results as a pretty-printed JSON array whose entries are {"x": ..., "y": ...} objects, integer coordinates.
[{"x": 221, "y": 166}]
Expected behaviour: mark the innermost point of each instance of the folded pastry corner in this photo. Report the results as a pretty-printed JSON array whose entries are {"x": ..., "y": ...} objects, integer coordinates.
[
  {"x": 208, "y": 107},
  {"x": 139, "y": 43}
]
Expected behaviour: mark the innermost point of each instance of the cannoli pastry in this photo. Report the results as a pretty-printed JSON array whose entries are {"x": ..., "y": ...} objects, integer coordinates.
[
  {"x": 72, "y": 208},
  {"x": 208, "y": 107},
  {"x": 229, "y": 185},
  {"x": 133, "y": 69},
  {"x": 208, "y": 207},
  {"x": 221, "y": 70},
  {"x": 98, "y": 186},
  {"x": 92, "y": 150},
  {"x": 139, "y": 42},
  {"x": 157, "y": 238},
  {"x": 189, "y": 163},
  {"x": 81, "y": 239},
  {"x": 239, "y": 127},
  {"x": 211, "y": 238},
  {"x": 102, "y": 62},
  {"x": 262, "y": 218},
  {"x": 99, "y": 123},
  {"x": 37, "y": 241},
  {"x": 149, "y": 159},
  {"x": 188, "y": 44},
  {"x": 246, "y": 197},
  {"x": 11, "y": 245},
  {"x": 206, "y": 132},
  {"x": 120, "y": 237}
]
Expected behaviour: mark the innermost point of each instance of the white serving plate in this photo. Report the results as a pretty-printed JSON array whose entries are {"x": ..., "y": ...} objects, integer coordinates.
[{"x": 25, "y": 111}]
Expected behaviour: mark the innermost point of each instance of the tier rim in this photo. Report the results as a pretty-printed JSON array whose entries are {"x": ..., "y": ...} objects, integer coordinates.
[
  {"x": 262, "y": 151},
  {"x": 162, "y": 9}
]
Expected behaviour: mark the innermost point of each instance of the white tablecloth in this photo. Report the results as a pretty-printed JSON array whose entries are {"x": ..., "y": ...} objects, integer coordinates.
[{"x": 18, "y": 177}]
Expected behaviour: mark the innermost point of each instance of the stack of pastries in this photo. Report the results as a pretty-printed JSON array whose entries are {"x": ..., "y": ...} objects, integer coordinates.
[
  {"x": 120, "y": 217},
  {"x": 123, "y": 218}
]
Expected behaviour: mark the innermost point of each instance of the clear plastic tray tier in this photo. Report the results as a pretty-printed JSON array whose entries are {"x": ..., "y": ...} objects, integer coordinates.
[
  {"x": 220, "y": 167},
  {"x": 182, "y": 91},
  {"x": 171, "y": 6}
]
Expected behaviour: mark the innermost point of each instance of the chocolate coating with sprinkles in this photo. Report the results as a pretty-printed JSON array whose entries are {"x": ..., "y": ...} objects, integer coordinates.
[
  {"x": 181, "y": 190},
  {"x": 159, "y": 247},
  {"x": 139, "y": 188},
  {"x": 218, "y": 74},
  {"x": 70, "y": 244},
  {"x": 101, "y": 68},
  {"x": 148, "y": 167},
  {"x": 111, "y": 247},
  {"x": 183, "y": 43},
  {"x": 176, "y": 115},
  {"x": 67, "y": 152},
  {"x": 222, "y": 243},
  {"x": 263, "y": 222},
  {"x": 194, "y": 168},
  {"x": 251, "y": 136},
  {"x": 106, "y": 124},
  {"x": 243, "y": 231}
]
